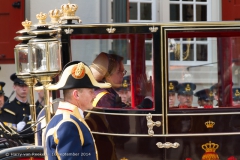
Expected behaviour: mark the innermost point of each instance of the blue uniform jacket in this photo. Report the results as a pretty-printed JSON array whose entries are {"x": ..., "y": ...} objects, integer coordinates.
[
  {"x": 40, "y": 126},
  {"x": 68, "y": 136}
]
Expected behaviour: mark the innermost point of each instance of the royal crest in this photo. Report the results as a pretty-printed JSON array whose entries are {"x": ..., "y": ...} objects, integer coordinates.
[
  {"x": 187, "y": 88},
  {"x": 210, "y": 149},
  {"x": 237, "y": 93},
  {"x": 125, "y": 84},
  {"x": 171, "y": 86},
  {"x": 78, "y": 71},
  {"x": 210, "y": 94},
  {"x": 209, "y": 124}
]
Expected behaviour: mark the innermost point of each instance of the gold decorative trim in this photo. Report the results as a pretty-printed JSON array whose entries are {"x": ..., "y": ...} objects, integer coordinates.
[
  {"x": 169, "y": 135},
  {"x": 124, "y": 114},
  {"x": 111, "y": 30},
  {"x": 153, "y": 29},
  {"x": 167, "y": 145},
  {"x": 9, "y": 111}
]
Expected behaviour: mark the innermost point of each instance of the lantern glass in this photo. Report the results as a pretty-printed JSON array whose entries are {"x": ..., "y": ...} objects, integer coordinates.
[
  {"x": 21, "y": 60},
  {"x": 44, "y": 56}
]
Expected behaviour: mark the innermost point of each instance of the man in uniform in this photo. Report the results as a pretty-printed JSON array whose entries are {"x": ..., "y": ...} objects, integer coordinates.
[
  {"x": 68, "y": 135},
  {"x": 236, "y": 97},
  {"x": 2, "y": 95},
  {"x": 205, "y": 98},
  {"x": 172, "y": 88},
  {"x": 185, "y": 94},
  {"x": 125, "y": 90},
  {"x": 19, "y": 108}
]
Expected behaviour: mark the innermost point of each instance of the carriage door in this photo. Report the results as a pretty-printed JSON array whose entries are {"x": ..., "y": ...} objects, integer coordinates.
[
  {"x": 204, "y": 93},
  {"x": 130, "y": 127}
]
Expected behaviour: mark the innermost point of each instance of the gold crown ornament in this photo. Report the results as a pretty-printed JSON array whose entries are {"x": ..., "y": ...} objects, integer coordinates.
[
  {"x": 69, "y": 11},
  {"x": 41, "y": 18},
  {"x": 55, "y": 15},
  {"x": 26, "y": 24},
  {"x": 209, "y": 124},
  {"x": 210, "y": 149}
]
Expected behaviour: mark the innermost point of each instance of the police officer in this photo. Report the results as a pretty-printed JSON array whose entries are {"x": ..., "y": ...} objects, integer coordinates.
[
  {"x": 185, "y": 94},
  {"x": 3, "y": 98},
  {"x": 125, "y": 90},
  {"x": 172, "y": 89},
  {"x": 19, "y": 108},
  {"x": 68, "y": 135},
  {"x": 236, "y": 97},
  {"x": 205, "y": 98}
]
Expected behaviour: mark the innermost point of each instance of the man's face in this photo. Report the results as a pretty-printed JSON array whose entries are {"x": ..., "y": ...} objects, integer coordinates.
[
  {"x": 125, "y": 96},
  {"x": 207, "y": 102},
  {"x": 41, "y": 94},
  {"x": 86, "y": 98},
  {"x": 1, "y": 100},
  {"x": 185, "y": 100},
  {"x": 21, "y": 90},
  {"x": 172, "y": 99}
]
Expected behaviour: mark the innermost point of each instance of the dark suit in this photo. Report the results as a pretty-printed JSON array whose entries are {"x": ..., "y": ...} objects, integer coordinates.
[{"x": 18, "y": 111}]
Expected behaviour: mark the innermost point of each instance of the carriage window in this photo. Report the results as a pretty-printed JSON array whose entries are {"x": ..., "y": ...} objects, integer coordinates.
[
  {"x": 125, "y": 61},
  {"x": 213, "y": 84}
]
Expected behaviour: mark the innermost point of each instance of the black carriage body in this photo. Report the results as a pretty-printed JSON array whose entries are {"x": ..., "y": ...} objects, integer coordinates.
[{"x": 194, "y": 132}]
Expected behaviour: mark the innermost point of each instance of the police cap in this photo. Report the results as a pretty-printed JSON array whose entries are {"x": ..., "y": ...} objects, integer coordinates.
[
  {"x": 236, "y": 94},
  {"x": 205, "y": 94},
  {"x": 2, "y": 84},
  {"x": 186, "y": 88},
  {"x": 172, "y": 86},
  {"x": 17, "y": 80}
]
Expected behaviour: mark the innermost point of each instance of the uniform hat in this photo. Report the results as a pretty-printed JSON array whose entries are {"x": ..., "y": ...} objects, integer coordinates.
[
  {"x": 77, "y": 74},
  {"x": 104, "y": 64},
  {"x": 236, "y": 94},
  {"x": 100, "y": 66},
  {"x": 172, "y": 86},
  {"x": 2, "y": 84},
  {"x": 205, "y": 94},
  {"x": 186, "y": 88},
  {"x": 17, "y": 80},
  {"x": 126, "y": 85}
]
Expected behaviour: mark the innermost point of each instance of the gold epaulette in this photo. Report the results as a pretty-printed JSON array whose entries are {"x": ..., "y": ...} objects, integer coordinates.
[
  {"x": 98, "y": 97},
  {"x": 9, "y": 111}
]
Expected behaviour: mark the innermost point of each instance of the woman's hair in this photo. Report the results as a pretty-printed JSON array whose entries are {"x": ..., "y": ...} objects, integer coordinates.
[{"x": 113, "y": 61}]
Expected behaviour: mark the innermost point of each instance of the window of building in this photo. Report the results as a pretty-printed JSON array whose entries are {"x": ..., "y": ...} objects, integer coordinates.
[{"x": 195, "y": 50}]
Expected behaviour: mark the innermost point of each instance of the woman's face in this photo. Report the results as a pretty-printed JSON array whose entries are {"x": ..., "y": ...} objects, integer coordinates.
[{"x": 117, "y": 74}]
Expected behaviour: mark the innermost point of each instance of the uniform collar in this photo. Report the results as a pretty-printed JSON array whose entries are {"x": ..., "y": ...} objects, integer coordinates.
[
  {"x": 20, "y": 102},
  {"x": 70, "y": 108}
]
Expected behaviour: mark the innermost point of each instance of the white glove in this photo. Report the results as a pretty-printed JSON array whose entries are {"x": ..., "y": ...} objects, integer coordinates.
[
  {"x": 20, "y": 125},
  {"x": 30, "y": 117}
]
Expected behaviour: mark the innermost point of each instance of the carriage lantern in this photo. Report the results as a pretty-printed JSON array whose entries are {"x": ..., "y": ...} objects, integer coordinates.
[
  {"x": 22, "y": 65},
  {"x": 44, "y": 56}
]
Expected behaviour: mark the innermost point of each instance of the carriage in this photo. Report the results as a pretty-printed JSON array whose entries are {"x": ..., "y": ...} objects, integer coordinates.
[{"x": 203, "y": 53}]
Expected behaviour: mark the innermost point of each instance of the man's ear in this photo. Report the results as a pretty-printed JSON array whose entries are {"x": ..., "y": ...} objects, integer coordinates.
[{"x": 75, "y": 94}]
